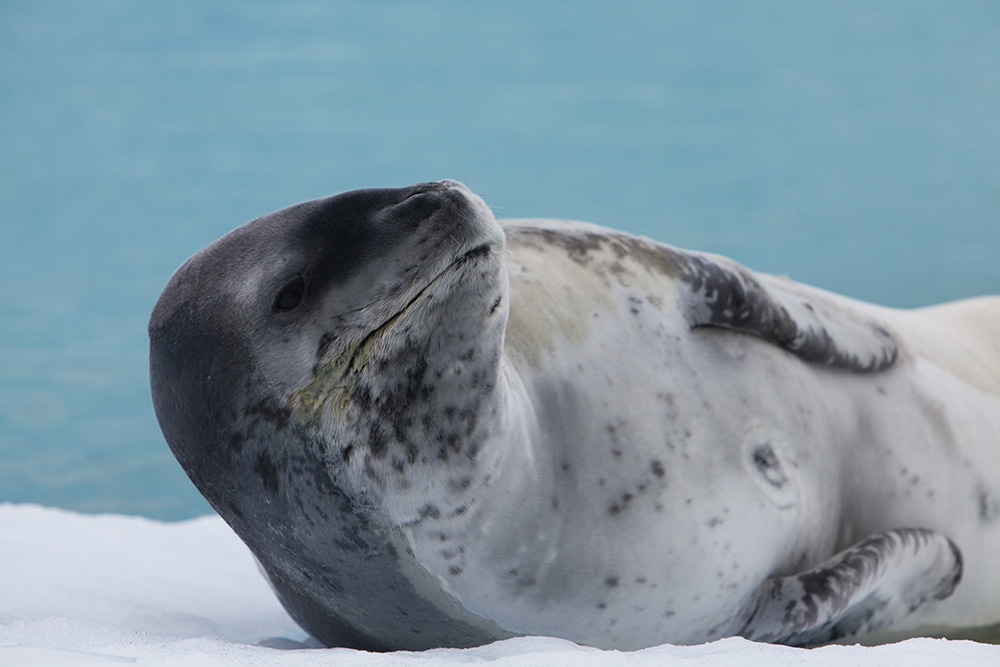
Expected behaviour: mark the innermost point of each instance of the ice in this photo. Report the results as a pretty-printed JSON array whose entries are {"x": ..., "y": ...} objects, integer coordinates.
[{"x": 109, "y": 590}]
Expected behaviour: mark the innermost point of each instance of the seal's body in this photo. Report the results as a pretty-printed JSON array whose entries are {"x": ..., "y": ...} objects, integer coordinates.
[{"x": 434, "y": 430}]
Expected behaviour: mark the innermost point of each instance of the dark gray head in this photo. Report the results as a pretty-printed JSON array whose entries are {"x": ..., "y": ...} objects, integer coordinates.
[{"x": 286, "y": 358}]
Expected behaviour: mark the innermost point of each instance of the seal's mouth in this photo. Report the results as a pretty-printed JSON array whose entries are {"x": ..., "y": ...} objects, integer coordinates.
[
  {"x": 334, "y": 382},
  {"x": 482, "y": 251}
]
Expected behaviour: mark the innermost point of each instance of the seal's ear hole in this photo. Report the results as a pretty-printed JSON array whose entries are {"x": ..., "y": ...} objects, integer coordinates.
[{"x": 290, "y": 295}]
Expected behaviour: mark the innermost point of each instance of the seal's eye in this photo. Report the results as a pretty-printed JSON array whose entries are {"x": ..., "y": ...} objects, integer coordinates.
[{"x": 290, "y": 295}]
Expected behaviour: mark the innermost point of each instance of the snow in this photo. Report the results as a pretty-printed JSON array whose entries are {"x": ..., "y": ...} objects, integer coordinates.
[{"x": 107, "y": 590}]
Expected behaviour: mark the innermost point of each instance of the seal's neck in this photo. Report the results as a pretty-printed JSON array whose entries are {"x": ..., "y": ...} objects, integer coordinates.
[
  {"x": 497, "y": 471},
  {"x": 428, "y": 428}
]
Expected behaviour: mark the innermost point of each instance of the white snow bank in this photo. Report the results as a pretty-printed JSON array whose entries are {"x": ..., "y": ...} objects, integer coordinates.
[{"x": 106, "y": 590}]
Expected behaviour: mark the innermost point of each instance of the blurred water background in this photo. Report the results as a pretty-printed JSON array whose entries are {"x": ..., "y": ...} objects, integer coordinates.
[{"x": 854, "y": 145}]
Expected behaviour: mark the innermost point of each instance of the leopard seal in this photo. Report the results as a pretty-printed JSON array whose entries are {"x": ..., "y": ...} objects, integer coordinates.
[{"x": 436, "y": 429}]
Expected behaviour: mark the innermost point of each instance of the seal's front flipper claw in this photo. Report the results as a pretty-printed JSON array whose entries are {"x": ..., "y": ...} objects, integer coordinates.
[{"x": 876, "y": 582}]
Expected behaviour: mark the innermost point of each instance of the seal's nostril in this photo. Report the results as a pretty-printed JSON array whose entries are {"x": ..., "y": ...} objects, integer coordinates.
[{"x": 418, "y": 208}]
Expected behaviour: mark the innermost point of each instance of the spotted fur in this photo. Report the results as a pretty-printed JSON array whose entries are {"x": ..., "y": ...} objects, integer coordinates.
[{"x": 433, "y": 429}]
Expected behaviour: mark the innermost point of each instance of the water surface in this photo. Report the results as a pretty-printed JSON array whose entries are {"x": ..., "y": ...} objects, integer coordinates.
[{"x": 852, "y": 145}]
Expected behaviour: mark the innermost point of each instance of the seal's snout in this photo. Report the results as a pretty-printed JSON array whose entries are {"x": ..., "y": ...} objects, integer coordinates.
[{"x": 443, "y": 214}]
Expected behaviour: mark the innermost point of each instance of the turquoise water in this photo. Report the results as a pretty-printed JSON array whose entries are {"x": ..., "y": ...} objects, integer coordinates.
[{"x": 852, "y": 145}]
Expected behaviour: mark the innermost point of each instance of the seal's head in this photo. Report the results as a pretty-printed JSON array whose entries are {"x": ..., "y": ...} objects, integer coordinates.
[{"x": 324, "y": 351}]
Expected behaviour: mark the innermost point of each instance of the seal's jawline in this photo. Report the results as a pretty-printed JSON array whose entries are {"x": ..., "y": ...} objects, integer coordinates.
[
  {"x": 481, "y": 251},
  {"x": 311, "y": 400}
]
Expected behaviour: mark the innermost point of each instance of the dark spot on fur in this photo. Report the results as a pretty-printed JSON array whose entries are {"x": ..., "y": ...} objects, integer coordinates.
[
  {"x": 496, "y": 304},
  {"x": 611, "y": 582},
  {"x": 346, "y": 452},
  {"x": 454, "y": 570},
  {"x": 577, "y": 246},
  {"x": 377, "y": 441},
  {"x": 235, "y": 441},
  {"x": 657, "y": 467},
  {"x": 472, "y": 451},
  {"x": 234, "y": 508},
  {"x": 614, "y": 509},
  {"x": 521, "y": 581},
  {"x": 460, "y": 484},
  {"x": 362, "y": 398},
  {"x": 989, "y": 507},
  {"x": 267, "y": 471},
  {"x": 391, "y": 549},
  {"x": 429, "y": 511},
  {"x": 601, "y": 605},
  {"x": 267, "y": 410}
]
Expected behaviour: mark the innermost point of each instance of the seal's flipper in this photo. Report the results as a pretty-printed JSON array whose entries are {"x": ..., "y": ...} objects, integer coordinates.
[
  {"x": 726, "y": 295},
  {"x": 874, "y": 583}
]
